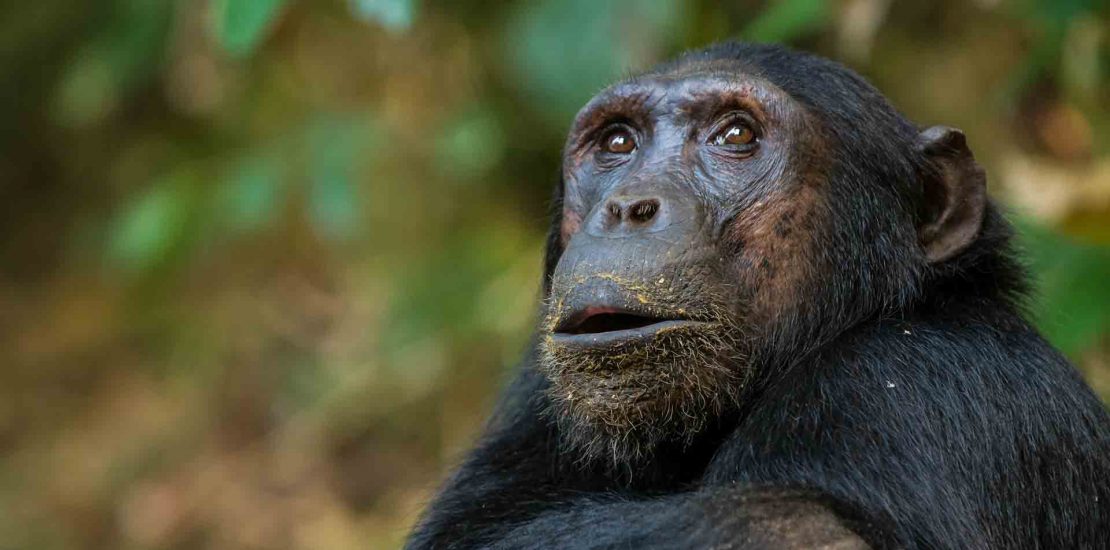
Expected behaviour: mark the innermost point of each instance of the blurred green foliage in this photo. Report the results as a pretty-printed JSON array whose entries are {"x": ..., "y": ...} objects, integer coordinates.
[
  {"x": 264, "y": 264},
  {"x": 787, "y": 20},
  {"x": 564, "y": 72},
  {"x": 241, "y": 24},
  {"x": 1074, "y": 282}
]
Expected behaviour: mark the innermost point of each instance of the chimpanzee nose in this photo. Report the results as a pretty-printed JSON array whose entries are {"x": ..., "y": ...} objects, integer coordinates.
[{"x": 632, "y": 212}]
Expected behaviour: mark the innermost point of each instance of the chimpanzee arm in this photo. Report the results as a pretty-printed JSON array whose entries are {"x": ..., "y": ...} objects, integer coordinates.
[{"x": 718, "y": 518}]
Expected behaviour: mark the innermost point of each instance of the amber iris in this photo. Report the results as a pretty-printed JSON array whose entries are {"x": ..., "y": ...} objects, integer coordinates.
[
  {"x": 736, "y": 134},
  {"x": 619, "y": 141}
]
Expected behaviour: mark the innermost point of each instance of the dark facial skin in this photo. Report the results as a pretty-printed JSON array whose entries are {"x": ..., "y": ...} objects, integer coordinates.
[{"x": 687, "y": 201}]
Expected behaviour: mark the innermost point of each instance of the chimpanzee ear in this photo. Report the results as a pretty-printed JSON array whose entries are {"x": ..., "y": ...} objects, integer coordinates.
[{"x": 954, "y": 194}]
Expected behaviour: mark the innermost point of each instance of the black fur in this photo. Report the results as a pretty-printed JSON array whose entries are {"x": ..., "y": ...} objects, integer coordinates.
[{"x": 910, "y": 400}]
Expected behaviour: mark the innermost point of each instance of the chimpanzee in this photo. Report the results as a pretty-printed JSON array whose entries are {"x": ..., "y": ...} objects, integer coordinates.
[{"x": 777, "y": 314}]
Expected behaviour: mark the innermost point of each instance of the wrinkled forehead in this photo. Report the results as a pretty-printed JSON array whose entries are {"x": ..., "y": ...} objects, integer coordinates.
[{"x": 688, "y": 90}]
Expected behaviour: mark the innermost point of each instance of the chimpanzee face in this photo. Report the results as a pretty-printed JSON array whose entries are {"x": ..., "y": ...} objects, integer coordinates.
[
  {"x": 724, "y": 216},
  {"x": 689, "y": 199}
]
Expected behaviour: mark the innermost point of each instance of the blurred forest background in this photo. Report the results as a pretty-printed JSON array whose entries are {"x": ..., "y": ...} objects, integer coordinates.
[{"x": 264, "y": 264}]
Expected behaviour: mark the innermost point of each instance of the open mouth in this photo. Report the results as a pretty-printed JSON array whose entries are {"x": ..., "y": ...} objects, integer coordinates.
[
  {"x": 596, "y": 320},
  {"x": 606, "y": 325}
]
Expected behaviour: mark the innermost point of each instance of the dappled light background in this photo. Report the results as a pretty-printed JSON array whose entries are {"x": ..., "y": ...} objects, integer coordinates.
[{"x": 264, "y": 264}]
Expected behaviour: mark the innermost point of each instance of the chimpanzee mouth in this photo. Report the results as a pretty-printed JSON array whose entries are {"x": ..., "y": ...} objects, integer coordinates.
[{"x": 608, "y": 325}]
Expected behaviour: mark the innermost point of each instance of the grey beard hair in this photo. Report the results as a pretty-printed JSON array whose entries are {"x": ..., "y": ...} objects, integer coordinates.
[{"x": 617, "y": 406}]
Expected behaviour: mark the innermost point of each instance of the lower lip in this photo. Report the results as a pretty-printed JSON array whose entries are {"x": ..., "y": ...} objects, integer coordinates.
[{"x": 615, "y": 337}]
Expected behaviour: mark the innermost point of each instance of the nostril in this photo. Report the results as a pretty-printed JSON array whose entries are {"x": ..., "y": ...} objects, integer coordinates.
[
  {"x": 614, "y": 210},
  {"x": 642, "y": 211},
  {"x": 634, "y": 212}
]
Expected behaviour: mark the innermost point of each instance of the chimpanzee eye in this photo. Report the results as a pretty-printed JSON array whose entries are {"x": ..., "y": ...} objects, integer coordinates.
[
  {"x": 736, "y": 134},
  {"x": 618, "y": 141}
]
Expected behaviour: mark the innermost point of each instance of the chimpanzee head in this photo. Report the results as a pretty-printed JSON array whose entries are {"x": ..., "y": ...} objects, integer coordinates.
[{"x": 720, "y": 217}]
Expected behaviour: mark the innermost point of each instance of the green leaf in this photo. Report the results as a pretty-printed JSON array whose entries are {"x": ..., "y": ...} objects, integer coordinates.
[
  {"x": 152, "y": 224},
  {"x": 88, "y": 90},
  {"x": 394, "y": 15},
  {"x": 240, "y": 25},
  {"x": 337, "y": 146},
  {"x": 250, "y": 197},
  {"x": 787, "y": 20},
  {"x": 124, "y": 54}
]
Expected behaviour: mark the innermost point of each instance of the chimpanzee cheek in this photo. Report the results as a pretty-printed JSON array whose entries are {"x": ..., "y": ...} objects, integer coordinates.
[
  {"x": 572, "y": 222},
  {"x": 772, "y": 248}
]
